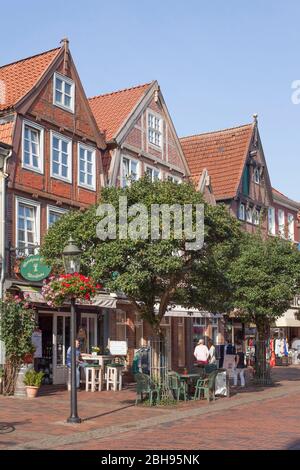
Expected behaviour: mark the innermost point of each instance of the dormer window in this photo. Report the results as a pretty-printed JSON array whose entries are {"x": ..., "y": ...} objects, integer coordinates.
[
  {"x": 154, "y": 129},
  {"x": 63, "y": 92},
  {"x": 256, "y": 175}
]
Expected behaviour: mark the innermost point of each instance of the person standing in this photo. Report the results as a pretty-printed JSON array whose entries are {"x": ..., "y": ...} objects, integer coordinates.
[
  {"x": 212, "y": 352},
  {"x": 201, "y": 352},
  {"x": 239, "y": 369},
  {"x": 78, "y": 361}
]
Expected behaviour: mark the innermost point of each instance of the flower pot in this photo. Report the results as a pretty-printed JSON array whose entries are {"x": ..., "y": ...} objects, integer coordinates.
[
  {"x": 32, "y": 391},
  {"x": 94, "y": 353}
]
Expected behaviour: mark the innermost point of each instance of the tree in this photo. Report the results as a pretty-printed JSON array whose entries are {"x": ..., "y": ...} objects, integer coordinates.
[
  {"x": 264, "y": 279},
  {"x": 154, "y": 274},
  {"x": 17, "y": 323}
]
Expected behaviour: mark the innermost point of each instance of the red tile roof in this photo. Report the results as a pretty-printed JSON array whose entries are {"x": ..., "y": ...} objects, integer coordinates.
[
  {"x": 111, "y": 110},
  {"x": 223, "y": 154},
  {"x": 6, "y": 132},
  {"x": 17, "y": 79},
  {"x": 283, "y": 198}
]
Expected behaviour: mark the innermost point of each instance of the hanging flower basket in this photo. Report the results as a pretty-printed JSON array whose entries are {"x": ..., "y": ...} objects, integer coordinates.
[{"x": 63, "y": 288}]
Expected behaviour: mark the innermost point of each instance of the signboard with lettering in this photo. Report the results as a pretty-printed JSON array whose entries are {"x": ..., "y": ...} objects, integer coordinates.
[
  {"x": 33, "y": 268},
  {"x": 118, "y": 348}
]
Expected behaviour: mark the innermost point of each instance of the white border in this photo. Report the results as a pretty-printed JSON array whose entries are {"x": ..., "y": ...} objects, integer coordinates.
[
  {"x": 70, "y": 160},
  {"x": 93, "y": 150},
  {"x": 70, "y": 82},
  {"x": 37, "y": 205},
  {"x": 56, "y": 209},
  {"x": 154, "y": 113},
  {"x": 121, "y": 166},
  {"x": 28, "y": 123}
]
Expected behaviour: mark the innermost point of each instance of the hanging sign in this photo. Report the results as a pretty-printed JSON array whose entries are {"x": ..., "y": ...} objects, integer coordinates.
[{"x": 33, "y": 268}]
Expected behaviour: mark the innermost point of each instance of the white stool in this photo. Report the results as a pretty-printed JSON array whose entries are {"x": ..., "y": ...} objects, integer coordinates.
[
  {"x": 113, "y": 378},
  {"x": 93, "y": 379}
]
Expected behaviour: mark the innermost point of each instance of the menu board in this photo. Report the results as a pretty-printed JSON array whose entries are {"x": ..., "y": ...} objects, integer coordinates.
[
  {"x": 118, "y": 348},
  {"x": 36, "y": 340}
]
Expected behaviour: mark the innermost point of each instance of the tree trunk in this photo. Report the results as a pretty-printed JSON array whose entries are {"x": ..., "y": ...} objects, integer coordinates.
[
  {"x": 11, "y": 370},
  {"x": 262, "y": 374}
]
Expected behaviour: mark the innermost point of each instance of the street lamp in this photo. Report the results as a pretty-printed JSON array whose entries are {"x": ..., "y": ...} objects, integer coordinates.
[{"x": 71, "y": 258}]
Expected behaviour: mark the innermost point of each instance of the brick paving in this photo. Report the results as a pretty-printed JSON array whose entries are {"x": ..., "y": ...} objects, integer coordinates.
[{"x": 253, "y": 418}]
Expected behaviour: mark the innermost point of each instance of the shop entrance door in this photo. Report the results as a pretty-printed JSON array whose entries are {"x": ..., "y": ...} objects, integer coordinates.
[
  {"x": 61, "y": 343},
  {"x": 89, "y": 326}
]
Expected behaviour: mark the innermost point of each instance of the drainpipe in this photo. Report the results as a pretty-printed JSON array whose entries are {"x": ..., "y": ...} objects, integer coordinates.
[{"x": 3, "y": 219}]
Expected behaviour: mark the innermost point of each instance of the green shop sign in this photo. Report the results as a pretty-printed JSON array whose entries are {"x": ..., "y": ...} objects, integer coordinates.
[{"x": 33, "y": 268}]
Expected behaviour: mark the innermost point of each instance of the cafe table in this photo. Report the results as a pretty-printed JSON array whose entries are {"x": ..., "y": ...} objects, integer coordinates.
[
  {"x": 190, "y": 380},
  {"x": 100, "y": 359}
]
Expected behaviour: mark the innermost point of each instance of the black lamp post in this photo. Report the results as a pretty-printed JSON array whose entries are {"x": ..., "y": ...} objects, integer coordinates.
[{"x": 71, "y": 257}]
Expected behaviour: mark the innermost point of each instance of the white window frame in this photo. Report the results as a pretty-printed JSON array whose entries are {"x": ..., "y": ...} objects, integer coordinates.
[
  {"x": 255, "y": 216},
  {"x": 70, "y": 82},
  {"x": 58, "y": 210},
  {"x": 160, "y": 131},
  {"x": 40, "y": 129},
  {"x": 70, "y": 166},
  {"x": 91, "y": 187},
  {"x": 37, "y": 207},
  {"x": 174, "y": 179},
  {"x": 271, "y": 221},
  {"x": 281, "y": 226},
  {"x": 256, "y": 175},
  {"x": 249, "y": 219},
  {"x": 122, "y": 324},
  {"x": 291, "y": 225},
  {"x": 152, "y": 168},
  {"x": 242, "y": 205},
  {"x": 131, "y": 159}
]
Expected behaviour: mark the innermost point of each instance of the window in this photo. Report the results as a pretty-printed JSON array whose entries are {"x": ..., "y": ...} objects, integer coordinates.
[
  {"x": 153, "y": 173},
  {"x": 86, "y": 167},
  {"x": 256, "y": 175},
  {"x": 129, "y": 171},
  {"x": 242, "y": 212},
  {"x": 61, "y": 157},
  {"x": 33, "y": 147},
  {"x": 54, "y": 214},
  {"x": 181, "y": 342},
  {"x": 154, "y": 130},
  {"x": 281, "y": 223},
  {"x": 63, "y": 92},
  {"x": 120, "y": 325},
  {"x": 174, "y": 179},
  {"x": 291, "y": 227},
  {"x": 255, "y": 216},
  {"x": 271, "y": 221},
  {"x": 249, "y": 215},
  {"x": 27, "y": 224}
]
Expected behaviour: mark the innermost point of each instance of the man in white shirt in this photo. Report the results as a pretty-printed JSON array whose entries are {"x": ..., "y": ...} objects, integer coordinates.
[{"x": 201, "y": 352}]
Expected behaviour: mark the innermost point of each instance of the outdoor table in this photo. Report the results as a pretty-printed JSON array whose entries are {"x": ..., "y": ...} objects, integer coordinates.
[
  {"x": 190, "y": 379},
  {"x": 100, "y": 359}
]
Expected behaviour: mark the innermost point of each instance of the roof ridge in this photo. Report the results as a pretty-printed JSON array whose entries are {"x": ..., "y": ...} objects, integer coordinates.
[
  {"x": 120, "y": 91},
  {"x": 218, "y": 131},
  {"x": 284, "y": 195},
  {"x": 30, "y": 57}
]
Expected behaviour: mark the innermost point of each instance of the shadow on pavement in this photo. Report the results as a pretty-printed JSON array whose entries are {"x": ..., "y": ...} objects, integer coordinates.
[{"x": 107, "y": 413}]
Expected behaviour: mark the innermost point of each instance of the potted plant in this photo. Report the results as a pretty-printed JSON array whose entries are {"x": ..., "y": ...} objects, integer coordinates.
[
  {"x": 33, "y": 381},
  {"x": 95, "y": 350}
]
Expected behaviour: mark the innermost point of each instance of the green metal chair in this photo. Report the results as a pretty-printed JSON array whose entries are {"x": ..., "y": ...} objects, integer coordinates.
[
  {"x": 144, "y": 385},
  {"x": 177, "y": 385},
  {"x": 207, "y": 386}
]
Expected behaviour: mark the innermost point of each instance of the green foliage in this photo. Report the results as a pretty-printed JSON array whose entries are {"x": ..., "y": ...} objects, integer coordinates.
[
  {"x": 17, "y": 323},
  {"x": 33, "y": 378},
  {"x": 152, "y": 271}
]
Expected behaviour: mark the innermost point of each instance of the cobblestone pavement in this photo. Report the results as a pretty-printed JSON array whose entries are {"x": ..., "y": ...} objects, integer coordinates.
[{"x": 252, "y": 418}]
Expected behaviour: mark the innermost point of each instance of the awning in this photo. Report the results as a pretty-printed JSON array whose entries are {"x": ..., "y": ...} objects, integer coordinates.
[
  {"x": 179, "y": 311},
  {"x": 104, "y": 301},
  {"x": 289, "y": 319},
  {"x": 32, "y": 294}
]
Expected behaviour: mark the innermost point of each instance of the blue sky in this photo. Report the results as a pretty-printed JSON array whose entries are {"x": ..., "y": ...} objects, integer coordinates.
[{"x": 217, "y": 62}]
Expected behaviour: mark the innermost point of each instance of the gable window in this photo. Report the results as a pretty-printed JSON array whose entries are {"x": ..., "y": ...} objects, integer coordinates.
[
  {"x": 242, "y": 212},
  {"x": 281, "y": 223},
  {"x": 154, "y": 130},
  {"x": 54, "y": 214},
  {"x": 33, "y": 147},
  {"x": 291, "y": 227},
  {"x": 86, "y": 167},
  {"x": 27, "y": 225},
  {"x": 63, "y": 92},
  {"x": 129, "y": 171},
  {"x": 61, "y": 157},
  {"x": 271, "y": 221},
  {"x": 255, "y": 216},
  {"x": 153, "y": 173},
  {"x": 256, "y": 175}
]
